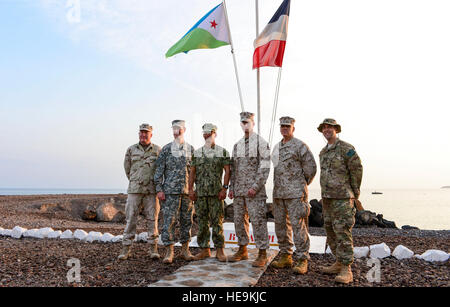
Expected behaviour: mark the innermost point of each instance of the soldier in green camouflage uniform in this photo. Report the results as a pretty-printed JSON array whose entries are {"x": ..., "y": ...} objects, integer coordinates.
[
  {"x": 294, "y": 170},
  {"x": 172, "y": 178},
  {"x": 208, "y": 163},
  {"x": 139, "y": 167},
  {"x": 340, "y": 181}
]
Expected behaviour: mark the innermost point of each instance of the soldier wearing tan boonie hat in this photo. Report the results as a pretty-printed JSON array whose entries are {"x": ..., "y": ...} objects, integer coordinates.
[{"x": 331, "y": 122}]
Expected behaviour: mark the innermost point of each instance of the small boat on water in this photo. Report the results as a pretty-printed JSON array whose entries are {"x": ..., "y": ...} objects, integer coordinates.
[{"x": 375, "y": 192}]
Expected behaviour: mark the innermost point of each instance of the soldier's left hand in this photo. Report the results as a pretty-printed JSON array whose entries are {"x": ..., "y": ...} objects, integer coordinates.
[
  {"x": 251, "y": 193},
  {"x": 223, "y": 194}
]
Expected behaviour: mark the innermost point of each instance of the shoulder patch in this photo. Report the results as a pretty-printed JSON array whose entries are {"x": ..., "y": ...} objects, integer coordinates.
[{"x": 350, "y": 153}]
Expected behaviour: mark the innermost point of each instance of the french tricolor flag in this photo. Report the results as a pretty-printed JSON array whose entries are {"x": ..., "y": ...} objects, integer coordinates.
[{"x": 270, "y": 44}]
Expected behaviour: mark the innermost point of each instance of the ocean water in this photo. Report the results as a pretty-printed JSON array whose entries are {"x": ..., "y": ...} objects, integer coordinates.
[{"x": 426, "y": 209}]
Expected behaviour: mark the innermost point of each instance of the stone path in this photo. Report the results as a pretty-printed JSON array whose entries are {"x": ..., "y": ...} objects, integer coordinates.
[{"x": 213, "y": 273}]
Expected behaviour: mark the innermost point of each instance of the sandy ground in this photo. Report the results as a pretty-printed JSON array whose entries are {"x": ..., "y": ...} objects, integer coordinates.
[{"x": 34, "y": 262}]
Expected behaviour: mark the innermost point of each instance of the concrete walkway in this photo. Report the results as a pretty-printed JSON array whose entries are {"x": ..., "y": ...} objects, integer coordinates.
[{"x": 213, "y": 273}]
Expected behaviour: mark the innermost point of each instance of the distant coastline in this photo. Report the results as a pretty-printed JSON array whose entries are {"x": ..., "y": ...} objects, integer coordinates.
[{"x": 446, "y": 187}]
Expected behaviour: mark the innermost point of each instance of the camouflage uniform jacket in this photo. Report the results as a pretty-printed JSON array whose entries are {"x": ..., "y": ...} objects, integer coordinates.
[
  {"x": 250, "y": 166},
  {"x": 140, "y": 167},
  {"x": 209, "y": 163},
  {"x": 172, "y": 168},
  {"x": 294, "y": 169},
  {"x": 340, "y": 171}
]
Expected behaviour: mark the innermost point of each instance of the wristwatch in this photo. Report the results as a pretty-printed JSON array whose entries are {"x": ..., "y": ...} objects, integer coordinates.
[{"x": 225, "y": 187}]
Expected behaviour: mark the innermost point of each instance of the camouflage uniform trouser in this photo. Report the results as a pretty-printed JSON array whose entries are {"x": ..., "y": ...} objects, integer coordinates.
[
  {"x": 210, "y": 209},
  {"x": 256, "y": 208},
  {"x": 176, "y": 207},
  {"x": 339, "y": 218},
  {"x": 150, "y": 205},
  {"x": 291, "y": 216}
]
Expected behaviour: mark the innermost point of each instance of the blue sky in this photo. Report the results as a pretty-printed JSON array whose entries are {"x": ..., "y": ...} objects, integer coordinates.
[{"x": 72, "y": 94}]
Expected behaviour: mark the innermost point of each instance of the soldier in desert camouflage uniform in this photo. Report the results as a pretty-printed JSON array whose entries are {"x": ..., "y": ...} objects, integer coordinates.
[
  {"x": 208, "y": 163},
  {"x": 171, "y": 179},
  {"x": 249, "y": 171},
  {"x": 139, "y": 167},
  {"x": 294, "y": 170},
  {"x": 340, "y": 181}
]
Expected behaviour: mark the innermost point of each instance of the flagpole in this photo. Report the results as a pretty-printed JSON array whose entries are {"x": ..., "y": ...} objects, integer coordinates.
[
  {"x": 258, "y": 92},
  {"x": 234, "y": 57},
  {"x": 274, "y": 110}
]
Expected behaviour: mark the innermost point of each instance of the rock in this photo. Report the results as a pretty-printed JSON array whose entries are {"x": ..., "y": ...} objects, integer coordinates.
[
  {"x": 358, "y": 205},
  {"x": 328, "y": 250},
  {"x": 380, "y": 251},
  {"x": 106, "y": 237},
  {"x": 110, "y": 212},
  {"x": 6, "y": 232},
  {"x": 361, "y": 252},
  {"x": 369, "y": 218},
  {"x": 315, "y": 218},
  {"x": 93, "y": 236},
  {"x": 402, "y": 252},
  {"x": 17, "y": 232},
  {"x": 54, "y": 234},
  {"x": 408, "y": 227},
  {"x": 118, "y": 238},
  {"x": 142, "y": 237},
  {"x": 45, "y": 231},
  {"x": 434, "y": 255},
  {"x": 66, "y": 235},
  {"x": 89, "y": 214},
  {"x": 32, "y": 233},
  {"x": 80, "y": 234}
]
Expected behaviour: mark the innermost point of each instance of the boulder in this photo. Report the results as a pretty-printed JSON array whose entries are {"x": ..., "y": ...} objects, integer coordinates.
[
  {"x": 54, "y": 234},
  {"x": 110, "y": 212},
  {"x": 316, "y": 215},
  {"x": 106, "y": 237},
  {"x": 408, "y": 227},
  {"x": 434, "y": 255},
  {"x": 43, "y": 232},
  {"x": 118, "y": 238},
  {"x": 5, "y": 232},
  {"x": 17, "y": 232},
  {"x": 380, "y": 251},
  {"x": 32, "y": 233},
  {"x": 66, "y": 235},
  {"x": 93, "y": 236},
  {"x": 142, "y": 237},
  {"x": 89, "y": 214},
  {"x": 402, "y": 252},
  {"x": 80, "y": 234},
  {"x": 361, "y": 252},
  {"x": 369, "y": 218}
]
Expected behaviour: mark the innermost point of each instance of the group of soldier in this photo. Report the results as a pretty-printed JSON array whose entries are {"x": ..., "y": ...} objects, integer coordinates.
[{"x": 181, "y": 178}]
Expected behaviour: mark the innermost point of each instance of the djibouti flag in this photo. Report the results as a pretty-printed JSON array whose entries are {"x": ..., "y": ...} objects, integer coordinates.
[{"x": 209, "y": 32}]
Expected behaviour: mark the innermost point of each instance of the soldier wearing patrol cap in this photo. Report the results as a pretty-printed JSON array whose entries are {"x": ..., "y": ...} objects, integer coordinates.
[
  {"x": 249, "y": 172},
  {"x": 139, "y": 167},
  {"x": 294, "y": 170},
  {"x": 208, "y": 164},
  {"x": 171, "y": 179},
  {"x": 340, "y": 181}
]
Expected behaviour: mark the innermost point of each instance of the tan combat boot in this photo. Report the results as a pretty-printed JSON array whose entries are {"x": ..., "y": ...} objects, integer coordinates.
[
  {"x": 301, "y": 267},
  {"x": 284, "y": 262},
  {"x": 241, "y": 254},
  {"x": 220, "y": 254},
  {"x": 168, "y": 258},
  {"x": 205, "y": 253},
  {"x": 125, "y": 253},
  {"x": 345, "y": 276},
  {"x": 185, "y": 253},
  {"x": 261, "y": 260},
  {"x": 333, "y": 269},
  {"x": 154, "y": 251}
]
